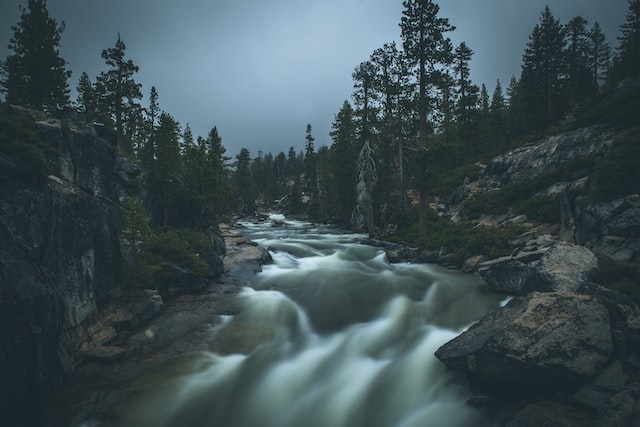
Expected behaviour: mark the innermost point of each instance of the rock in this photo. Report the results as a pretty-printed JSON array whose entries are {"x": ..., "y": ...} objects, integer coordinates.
[
  {"x": 106, "y": 353},
  {"x": 400, "y": 253},
  {"x": 135, "y": 311},
  {"x": 624, "y": 315},
  {"x": 471, "y": 264},
  {"x": 610, "y": 229},
  {"x": 548, "y": 413},
  {"x": 546, "y": 154},
  {"x": 558, "y": 267},
  {"x": 507, "y": 275},
  {"x": 564, "y": 267},
  {"x": 59, "y": 252},
  {"x": 613, "y": 397},
  {"x": 537, "y": 340}
]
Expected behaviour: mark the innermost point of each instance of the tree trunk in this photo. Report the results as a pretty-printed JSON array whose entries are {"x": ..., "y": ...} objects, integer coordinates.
[{"x": 422, "y": 191}]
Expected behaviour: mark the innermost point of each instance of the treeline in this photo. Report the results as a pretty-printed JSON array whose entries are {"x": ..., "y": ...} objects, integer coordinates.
[
  {"x": 414, "y": 130},
  {"x": 417, "y": 124},
  {"x": 191, "y": 173}
]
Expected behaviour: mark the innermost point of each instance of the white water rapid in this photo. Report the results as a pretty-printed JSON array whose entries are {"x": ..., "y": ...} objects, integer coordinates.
[{"x": 349, "y": 342}]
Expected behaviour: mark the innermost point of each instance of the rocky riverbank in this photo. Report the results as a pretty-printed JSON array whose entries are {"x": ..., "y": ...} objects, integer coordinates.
[{"x": 158, "y": 334}]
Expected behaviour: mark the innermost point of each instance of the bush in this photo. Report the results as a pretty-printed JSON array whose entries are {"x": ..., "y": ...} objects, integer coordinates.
[
  {"x": 461, "y": 241},
  {"x": 183, "y": 248},
  {"x": 541, "y": 208}
]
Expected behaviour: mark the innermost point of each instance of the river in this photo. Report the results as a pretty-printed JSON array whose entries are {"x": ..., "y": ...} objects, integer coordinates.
[{"x": 342, "y": 338}]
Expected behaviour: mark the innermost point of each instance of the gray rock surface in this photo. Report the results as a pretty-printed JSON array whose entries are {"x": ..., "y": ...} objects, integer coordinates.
[
  {"x": 541, "y": 265},
  {"x": 540, "y": 339}
]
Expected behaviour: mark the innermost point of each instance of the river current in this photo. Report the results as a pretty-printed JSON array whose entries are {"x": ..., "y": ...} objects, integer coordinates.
[{"x": 346, "y": 339}]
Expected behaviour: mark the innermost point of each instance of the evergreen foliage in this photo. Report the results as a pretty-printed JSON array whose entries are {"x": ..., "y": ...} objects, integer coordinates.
[
  {"x": 35, "y": 75},
  {"x": 416, "y": 130},
  {"x": 627, "y": 60},
  {"x": 117, "y": 90},
  {"x": 22, "y": 152},
  {"x": 426, "y": 48},
  {"x": 134, "y": 235}
]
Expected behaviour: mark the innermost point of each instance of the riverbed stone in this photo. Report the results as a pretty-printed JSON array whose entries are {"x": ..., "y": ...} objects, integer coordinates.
[
  {"x": 506, "y": 274},
  {"x": 540, "y": 339}
]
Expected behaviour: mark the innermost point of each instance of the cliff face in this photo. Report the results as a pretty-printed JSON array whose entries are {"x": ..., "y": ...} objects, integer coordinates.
[{"x": 59, "y": 252}]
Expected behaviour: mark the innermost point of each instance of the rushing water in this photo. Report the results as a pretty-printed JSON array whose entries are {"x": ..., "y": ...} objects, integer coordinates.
[{"x": 345, "y": 339}]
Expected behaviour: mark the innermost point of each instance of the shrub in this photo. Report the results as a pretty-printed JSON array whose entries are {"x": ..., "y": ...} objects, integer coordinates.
[{"x": 183, "y": 248}]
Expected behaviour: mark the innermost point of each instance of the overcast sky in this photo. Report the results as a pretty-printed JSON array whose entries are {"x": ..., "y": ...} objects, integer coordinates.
[{"x": 260, "y": 70}]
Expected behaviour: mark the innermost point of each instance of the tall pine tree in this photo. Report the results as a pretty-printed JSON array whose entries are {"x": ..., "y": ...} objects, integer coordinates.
[
  {"x": 117, "y": 88},
  {"x": 35, "y": 75},
  {"x": 542, "y": 72},
  {"x": 426, "y": 47},
  {"x": 627, "y": 60}
]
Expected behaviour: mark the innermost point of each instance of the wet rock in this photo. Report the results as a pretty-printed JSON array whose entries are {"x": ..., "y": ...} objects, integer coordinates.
[{"x": 540, "y": 339}]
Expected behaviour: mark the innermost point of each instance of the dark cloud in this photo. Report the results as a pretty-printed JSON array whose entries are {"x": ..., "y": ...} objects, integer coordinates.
[{"x": 261, "y": 70}]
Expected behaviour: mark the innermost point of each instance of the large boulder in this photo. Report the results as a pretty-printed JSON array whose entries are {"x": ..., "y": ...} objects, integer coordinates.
[
  {"x": 538, "y": 340},
  {"x": 557, "y": 266}
]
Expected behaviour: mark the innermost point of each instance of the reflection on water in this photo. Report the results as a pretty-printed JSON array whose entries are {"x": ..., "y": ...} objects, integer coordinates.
[{"x": 338, "y": 337}]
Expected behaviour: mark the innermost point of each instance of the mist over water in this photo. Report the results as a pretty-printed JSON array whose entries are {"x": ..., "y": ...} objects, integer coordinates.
[{"x": 345, "y": 339}]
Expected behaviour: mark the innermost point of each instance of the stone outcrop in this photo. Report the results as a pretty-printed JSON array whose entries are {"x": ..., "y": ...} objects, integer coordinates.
[
  {"x": 544, "y": 155},
  {"x": 60, "y": 251},
  {"x": 60, "y": 257},
  {"x": 540, "y": 264},
  {"x": 540, "y": 339},
  {"x": 610, "y": 229},
  {"x": 568, "y": 351}
]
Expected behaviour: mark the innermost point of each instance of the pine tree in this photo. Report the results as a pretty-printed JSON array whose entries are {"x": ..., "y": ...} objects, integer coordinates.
[
  {"x": 117, "y": 88},
  {"x": 394, "y": 92},
  {"x": 577, "y": 62},
  {"x": 147, "y": 147},
  {"x": 167, "y": 162},
  {"x": 599, "y": 57},
  {"x": 426, "y": 47},
  {"x": 542, "y": 71},
  {"x": 343, "y": 163},
  {"x": 311, "y": 174},
  {"x": 87, "y": 100},
  {"x": 216, "y": 160},
  {"x": 467, "y": 100},
  {"x": 245, "y": 191},
  {"x": 498, "y": 117},
  {"x": 627, "y": 60},
  {"x": 292, "y": 163},
  {"x": 364, "y": 95},
  {"x": 134, "y": 233},
  {"x": 35, "y": 75}
]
